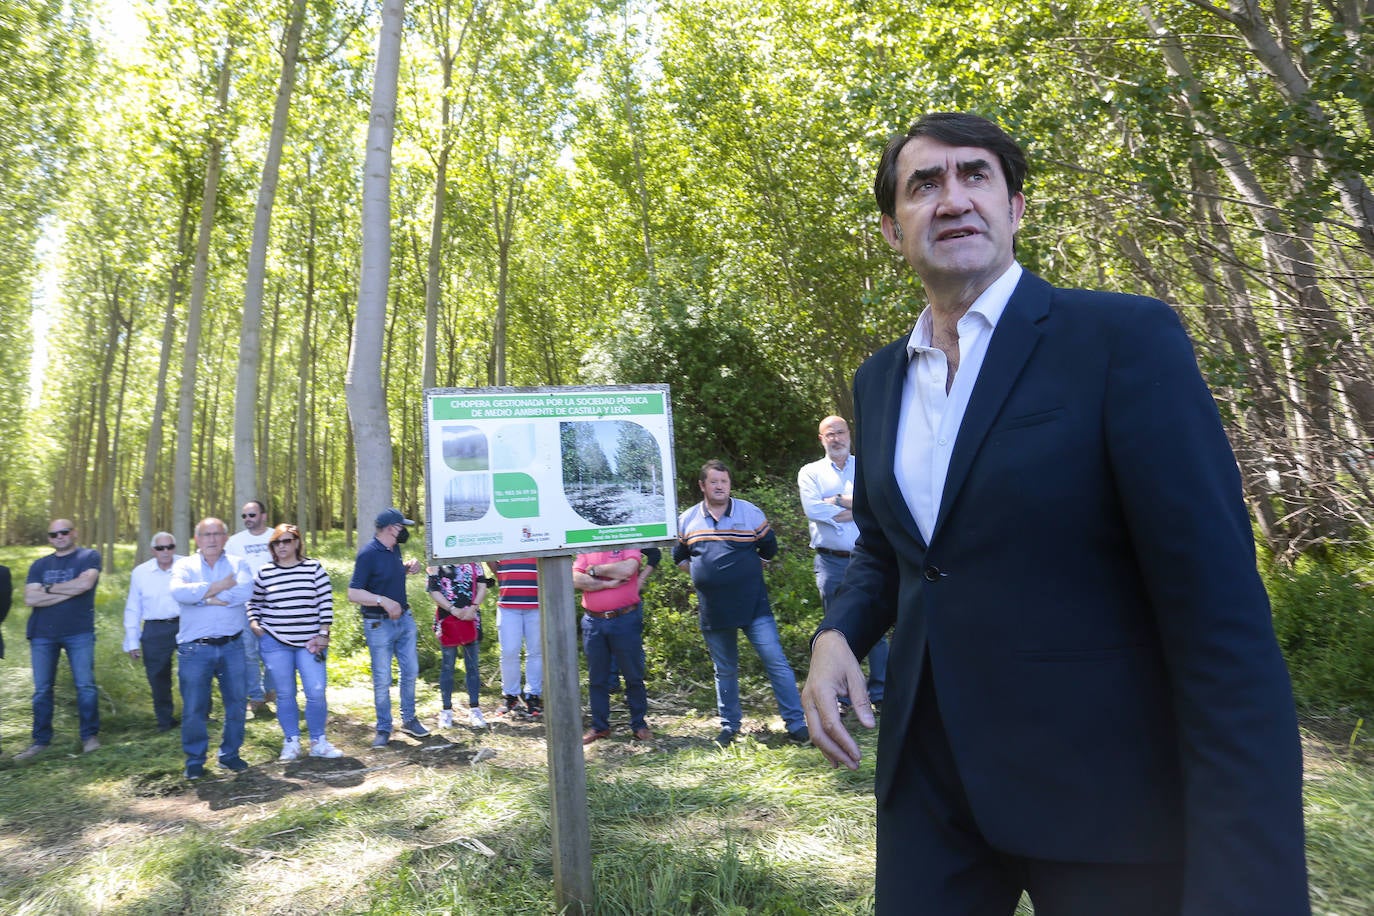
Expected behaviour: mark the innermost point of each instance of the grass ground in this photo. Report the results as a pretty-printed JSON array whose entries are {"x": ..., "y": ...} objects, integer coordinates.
[{"x": 458, "y": 822}]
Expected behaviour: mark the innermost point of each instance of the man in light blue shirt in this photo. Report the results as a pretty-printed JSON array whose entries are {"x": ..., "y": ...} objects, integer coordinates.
[{"x": 212, "y": 588}]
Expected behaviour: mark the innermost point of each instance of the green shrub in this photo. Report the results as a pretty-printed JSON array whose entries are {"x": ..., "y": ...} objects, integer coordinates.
[{"x": 1324, "y": 624}]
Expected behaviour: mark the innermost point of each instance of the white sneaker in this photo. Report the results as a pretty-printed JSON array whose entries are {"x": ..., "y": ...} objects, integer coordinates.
[
  {"x": 446, "y": 719},
  {"x": 322, "y": 748},
  {"x": 290, "y": 749},
  {"x": 475, "y": 718}
]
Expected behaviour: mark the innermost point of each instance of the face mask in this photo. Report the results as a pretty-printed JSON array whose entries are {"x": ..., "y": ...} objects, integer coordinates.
[{"x": 403, "y": 536}]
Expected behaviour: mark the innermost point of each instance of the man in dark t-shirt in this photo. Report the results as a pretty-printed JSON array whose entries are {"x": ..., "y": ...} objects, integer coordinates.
[{"x": 61, "y": 590}]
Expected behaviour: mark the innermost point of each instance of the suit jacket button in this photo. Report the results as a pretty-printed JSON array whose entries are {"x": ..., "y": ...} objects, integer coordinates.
[{"x": 932, "y": 573}]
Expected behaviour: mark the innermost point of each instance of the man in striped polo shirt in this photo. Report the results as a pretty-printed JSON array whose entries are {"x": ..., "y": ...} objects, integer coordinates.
[
  {"x": 517, "y": 625},
  {"x": 723, "y": 543}
]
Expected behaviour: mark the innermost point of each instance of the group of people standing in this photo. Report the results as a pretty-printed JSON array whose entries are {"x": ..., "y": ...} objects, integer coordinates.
[
  {"x": 378, "y": 587},
  {"x": 206, "y": 610},
  {"x": 253, "y": 614},
  {"x": 228, "y": 610}
]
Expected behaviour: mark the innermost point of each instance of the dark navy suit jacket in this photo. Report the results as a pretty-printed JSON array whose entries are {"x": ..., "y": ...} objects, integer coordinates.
[{"x": 1099, "y": 640}]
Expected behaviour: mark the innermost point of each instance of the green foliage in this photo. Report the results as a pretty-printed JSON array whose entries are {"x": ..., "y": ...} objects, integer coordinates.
[
  {"x": 730, "y": 399},
  {"x": 1324, "y": 619}
]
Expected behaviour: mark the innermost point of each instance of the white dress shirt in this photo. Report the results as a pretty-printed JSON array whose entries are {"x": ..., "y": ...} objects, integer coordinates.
[
  {"x": 150, "y": 598},
  {"x": 817, "y": 482},
  {"x": 931, "y": 417}
]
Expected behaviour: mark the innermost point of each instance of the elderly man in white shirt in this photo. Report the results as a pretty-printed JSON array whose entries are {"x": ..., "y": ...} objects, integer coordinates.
[
  {"x": 827, "y": 496},
  {"x": 151, "y": 618}
]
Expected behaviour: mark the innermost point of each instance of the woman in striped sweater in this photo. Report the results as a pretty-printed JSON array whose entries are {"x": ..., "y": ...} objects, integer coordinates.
[{"x": 290, "y": 613}]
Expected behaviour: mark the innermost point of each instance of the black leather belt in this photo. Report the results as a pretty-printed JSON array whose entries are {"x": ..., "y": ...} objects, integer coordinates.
[
  {"x": 217, "y": 640},
  {"x": 613, "y": 613},
  {"x": 842, "y": 554}
]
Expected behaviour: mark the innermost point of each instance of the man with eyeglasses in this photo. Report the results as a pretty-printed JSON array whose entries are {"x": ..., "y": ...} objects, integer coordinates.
[
  {"x": 61, "y": 590},
  {"x": 827, "y": 498},
  {"x": 151, "y": 619},
  {"x": 251, "y": 544},
  {"x": 212, "y": 587}
]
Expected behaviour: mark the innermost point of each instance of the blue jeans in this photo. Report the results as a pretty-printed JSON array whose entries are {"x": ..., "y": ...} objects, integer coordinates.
[
  {"x": 389, "y": 639},
  {"x": 471, "y": 675},
  {"x": 619, "y": 642},
  {"x": 516, "y": 629},
  {"x": 723, "y": 645},
  {"x": 829, "y": 575},
  {"x": 283, "y": 661},
  {"x": 43, "y": 653},
  {"x": 252, "y": 670},
  {"x": 198, "y": 666},
  {"x": 159, "y": 644}
]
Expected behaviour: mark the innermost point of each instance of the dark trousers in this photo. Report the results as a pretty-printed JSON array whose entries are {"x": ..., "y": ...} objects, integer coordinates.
[
  {"x": 159, "y": 644},
  {"x": 933, "y": 860}
]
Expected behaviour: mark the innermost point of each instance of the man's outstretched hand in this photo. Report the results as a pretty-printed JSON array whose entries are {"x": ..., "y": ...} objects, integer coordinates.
[{"x": 835, "y": 672}]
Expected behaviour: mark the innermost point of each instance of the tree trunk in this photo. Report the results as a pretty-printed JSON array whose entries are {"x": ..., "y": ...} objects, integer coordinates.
[
  {"x": 186, "y": 398},
  {"x": 261, "y": 488},
  {"x": 103, "y": 525},
  {"x": 112, "y": 470},
  {"x": 304, "y": 502},
  {"x": 436, "y": 224},
  {"x": 246, "y": 461},
  {"x": 503, "y": 223},
  {"x": 153, "y": 448},
  {"x": 367, "y": 407}
]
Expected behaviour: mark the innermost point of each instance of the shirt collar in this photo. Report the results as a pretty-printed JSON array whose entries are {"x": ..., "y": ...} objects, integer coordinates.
[
  {"x": 990, "y": 305},
  {"x": 729, "y": 507}
]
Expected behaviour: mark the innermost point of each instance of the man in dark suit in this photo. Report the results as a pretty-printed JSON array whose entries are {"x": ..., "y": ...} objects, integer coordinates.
[
  {"x": 1084, "y": 698},
  {"x": 6, "y": 597}
]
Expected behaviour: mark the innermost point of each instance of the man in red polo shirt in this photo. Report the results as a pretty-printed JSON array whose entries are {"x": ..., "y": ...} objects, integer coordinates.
[{"x": 613, "y": 632}]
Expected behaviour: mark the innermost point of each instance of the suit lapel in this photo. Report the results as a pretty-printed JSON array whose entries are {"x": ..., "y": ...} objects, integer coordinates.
[
  {"x": 1012, "y": 343},
  {"x": 892, "y": 378}
]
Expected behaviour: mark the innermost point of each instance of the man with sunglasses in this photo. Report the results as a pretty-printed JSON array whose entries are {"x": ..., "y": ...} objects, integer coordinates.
[
  {"x": 251, "y": 544},
  {"x": 151, "y": 619},
  {"x": 61, "y": 590}
]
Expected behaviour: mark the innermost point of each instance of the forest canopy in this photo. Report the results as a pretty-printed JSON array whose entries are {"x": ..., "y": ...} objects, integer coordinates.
[{"x": 588, "y": 192}]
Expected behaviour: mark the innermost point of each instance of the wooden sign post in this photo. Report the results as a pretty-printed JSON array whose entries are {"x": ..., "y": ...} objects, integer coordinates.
[{"x": 571, "y": 827}]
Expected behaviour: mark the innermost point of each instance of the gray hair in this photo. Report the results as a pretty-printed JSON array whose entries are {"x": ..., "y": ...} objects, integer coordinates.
[{"x": 162, "y": 534}]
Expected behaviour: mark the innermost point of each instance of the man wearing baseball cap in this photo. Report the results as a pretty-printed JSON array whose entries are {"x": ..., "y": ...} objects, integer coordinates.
[{"x": 378, "y": 587}]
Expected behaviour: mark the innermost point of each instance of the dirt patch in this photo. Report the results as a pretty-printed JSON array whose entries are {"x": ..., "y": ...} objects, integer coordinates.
[
  {"x": 1329, "y": 742},
  {"x": 166, "y": 796}
]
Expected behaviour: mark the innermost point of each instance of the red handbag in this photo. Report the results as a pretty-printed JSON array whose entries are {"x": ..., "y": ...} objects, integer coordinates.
[{"x": 454, "y": 632}]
